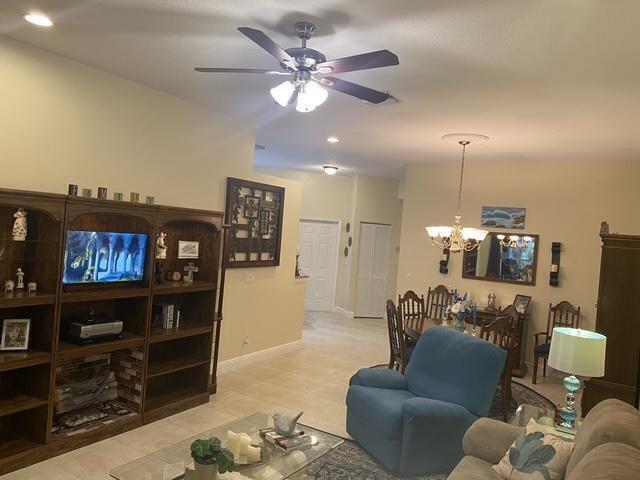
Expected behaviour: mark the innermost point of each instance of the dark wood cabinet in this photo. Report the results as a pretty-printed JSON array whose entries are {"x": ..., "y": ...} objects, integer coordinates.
[
  {"x": 618, "y": 318},
  {"x": 167, "y": 371}
]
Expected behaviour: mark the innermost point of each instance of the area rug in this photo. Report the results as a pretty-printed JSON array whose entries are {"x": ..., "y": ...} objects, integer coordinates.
[{"x": 350, "y": 462}]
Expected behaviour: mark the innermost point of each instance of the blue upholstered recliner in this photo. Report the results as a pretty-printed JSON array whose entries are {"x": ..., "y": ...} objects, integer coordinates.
[{"x": 414, "y": 424}]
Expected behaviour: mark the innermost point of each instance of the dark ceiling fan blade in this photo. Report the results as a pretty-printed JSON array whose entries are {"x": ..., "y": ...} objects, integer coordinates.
[
  {"x": 263, "y": 40},
  {"x": 261, "y": 71},
  {"x": 363, "y": 93},
  {"x": 377, "y": 59}
]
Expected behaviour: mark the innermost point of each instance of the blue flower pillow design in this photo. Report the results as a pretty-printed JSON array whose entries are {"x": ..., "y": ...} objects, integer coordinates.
[{"x": 535, "y": 456}]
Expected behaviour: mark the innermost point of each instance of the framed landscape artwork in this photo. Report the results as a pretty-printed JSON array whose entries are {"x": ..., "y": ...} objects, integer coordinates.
[
  {"x": 503, "y": 217},
  {"x": 254, "y": 213}
]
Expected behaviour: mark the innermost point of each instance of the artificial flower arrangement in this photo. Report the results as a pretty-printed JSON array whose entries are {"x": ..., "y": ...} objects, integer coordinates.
[{"x": 460, "y": 304}]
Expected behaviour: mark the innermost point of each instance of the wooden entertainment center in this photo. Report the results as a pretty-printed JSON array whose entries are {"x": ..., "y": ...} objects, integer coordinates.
[{"x": 167, "y": 370}]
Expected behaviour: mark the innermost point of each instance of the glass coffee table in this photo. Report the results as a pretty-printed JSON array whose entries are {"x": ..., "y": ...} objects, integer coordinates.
[{"x": 172, "y": 462}]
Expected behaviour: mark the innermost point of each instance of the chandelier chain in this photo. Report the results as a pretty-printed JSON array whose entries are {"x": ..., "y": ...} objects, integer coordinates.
[{"x": 464, "y": 150}]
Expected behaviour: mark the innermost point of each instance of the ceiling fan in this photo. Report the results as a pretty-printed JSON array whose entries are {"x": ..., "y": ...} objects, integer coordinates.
[{"x": 308, "y": 70}]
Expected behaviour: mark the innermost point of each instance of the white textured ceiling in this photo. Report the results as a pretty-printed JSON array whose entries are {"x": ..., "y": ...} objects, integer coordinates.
[{"x": 543, "y": 78}]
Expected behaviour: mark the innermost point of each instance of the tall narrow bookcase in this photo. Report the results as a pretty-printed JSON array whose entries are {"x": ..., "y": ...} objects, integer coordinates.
[{"x": 158, "y": 372}]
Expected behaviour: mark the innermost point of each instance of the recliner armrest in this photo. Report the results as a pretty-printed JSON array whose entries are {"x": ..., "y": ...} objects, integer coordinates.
[
  {"x": 432, "y": 432},
  {"x": 490, "y": 439},
  {"x": 379, "y": 378}
]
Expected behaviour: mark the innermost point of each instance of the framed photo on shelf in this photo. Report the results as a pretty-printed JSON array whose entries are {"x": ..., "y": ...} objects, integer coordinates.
[
  {"x": 521, "y": 302},
  {"x": 188, "y": 249},
  {"x": 251, "y": 206},
  {"x": 15, "y": 334}
]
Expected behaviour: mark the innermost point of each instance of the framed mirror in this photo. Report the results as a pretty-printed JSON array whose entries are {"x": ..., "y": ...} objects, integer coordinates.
[{"x": 506, "y": 258}]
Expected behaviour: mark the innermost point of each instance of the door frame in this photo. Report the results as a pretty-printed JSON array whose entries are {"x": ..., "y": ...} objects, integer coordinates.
[
  {"x": 386, "y": 281},
  {"x": 338, "y": 222}
]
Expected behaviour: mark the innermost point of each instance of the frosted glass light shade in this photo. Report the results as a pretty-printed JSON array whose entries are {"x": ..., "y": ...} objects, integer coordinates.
[
  {"x": 310, "y": 96},
  {"x": 282, "y": 93},
  {"x": 441, "y": 231},
  {"x": 474, "y": 234},
  {"x": 578, "y": 352}
]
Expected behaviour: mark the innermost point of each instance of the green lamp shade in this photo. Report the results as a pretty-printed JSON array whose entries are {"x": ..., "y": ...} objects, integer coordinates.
[{"x": 578, "y": 352}]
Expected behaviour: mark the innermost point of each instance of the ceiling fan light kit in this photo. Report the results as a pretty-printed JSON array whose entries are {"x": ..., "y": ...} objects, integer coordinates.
[{"x": 306, "y": 67}]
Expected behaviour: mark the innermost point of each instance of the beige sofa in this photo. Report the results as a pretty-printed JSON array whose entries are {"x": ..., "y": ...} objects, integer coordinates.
[{"x": 607, "y": 446}]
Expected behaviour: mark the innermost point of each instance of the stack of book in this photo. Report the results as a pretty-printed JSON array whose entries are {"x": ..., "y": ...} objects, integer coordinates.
[
  {"x": 165, "y": 316},
  {"x": 286, "y": 443}
]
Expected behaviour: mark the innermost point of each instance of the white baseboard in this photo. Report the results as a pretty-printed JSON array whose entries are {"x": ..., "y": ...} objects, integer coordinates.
[
  {"x": 245, "y": 360},
  {"x": 342, "y": 311}
]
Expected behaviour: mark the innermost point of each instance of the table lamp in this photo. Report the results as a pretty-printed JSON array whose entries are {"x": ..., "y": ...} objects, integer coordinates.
[{"x": 576, "y": 352}]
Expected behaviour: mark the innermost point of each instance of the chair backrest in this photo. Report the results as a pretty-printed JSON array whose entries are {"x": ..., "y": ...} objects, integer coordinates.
[
  {"x": 411, "y": 310},
  {"x": 452, "y": 367},
  {"x": 509, "y": 311},
  {"x": 502, "y": 332},
  {"x": 563, "y": 315},
  {"x": 394, "y": 323},
  {"x": 437, "y": 300}
]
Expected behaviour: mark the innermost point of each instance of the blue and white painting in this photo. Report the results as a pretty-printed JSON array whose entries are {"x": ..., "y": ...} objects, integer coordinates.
[
  {"x": 92, "y": 257},
  {"x": 503, "y": 217}
]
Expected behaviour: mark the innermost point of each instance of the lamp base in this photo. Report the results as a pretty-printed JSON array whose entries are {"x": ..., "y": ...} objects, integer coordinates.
[{"x": 568, "y": 413}]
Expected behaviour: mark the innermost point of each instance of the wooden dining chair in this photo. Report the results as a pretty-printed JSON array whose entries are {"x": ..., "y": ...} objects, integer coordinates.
[
  {"x": 437, "y": 300},
  {"x": 411, "y": 310},
  {"x": 562, "y": 315},
  {"x": 502, "y": 332},
  {"x": 398, "y": 358}
]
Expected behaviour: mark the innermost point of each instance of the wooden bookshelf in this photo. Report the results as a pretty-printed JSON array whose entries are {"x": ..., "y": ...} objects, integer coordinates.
[{"x": 172, "y": 365}]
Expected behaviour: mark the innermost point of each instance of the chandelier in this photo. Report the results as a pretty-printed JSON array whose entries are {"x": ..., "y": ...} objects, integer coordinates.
[
  {"x": 457, "y": 238},
  {"x": 514, "y": 241}
]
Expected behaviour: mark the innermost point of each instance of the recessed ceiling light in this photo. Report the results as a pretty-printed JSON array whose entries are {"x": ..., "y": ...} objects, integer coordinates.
[
  {"x": 333, "y": 139},
  {"x": 38, "y": 19},
  {"x": 330, "y": 170}
]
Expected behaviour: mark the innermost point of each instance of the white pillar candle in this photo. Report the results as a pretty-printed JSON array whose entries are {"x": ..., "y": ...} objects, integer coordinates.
[
  {"x": 245, "y": 443},
  {"x": 253, "y": 454},
  {"x": 233, "y": 443}
]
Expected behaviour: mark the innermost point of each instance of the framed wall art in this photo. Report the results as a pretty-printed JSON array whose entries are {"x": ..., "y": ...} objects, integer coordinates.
[
  {"x": 503, "y": 217},
  {"x": 254, "y": 213}
]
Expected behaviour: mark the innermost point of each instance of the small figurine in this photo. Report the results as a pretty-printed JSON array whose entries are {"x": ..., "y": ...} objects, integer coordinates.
[
  {"x": 491, "y": 301},
  {"x": 160, "y": 275},
  {"x": 8, "y": 286},
  {"x": 285, "y": 425},
  {"x": 161, "y": 247},
  {"x": 32, "y": 288},
  {"x": 19, "y": 231},
  {"x": 189, "y": 270},
  {"x": 20, "y": 277},
  {"x": 102, "y": 193}
]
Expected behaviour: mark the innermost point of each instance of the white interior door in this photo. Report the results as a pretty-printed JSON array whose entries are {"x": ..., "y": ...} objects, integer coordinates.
[
  {"x": 373, "y": 266},
  {"x": 318, "y": 260}
]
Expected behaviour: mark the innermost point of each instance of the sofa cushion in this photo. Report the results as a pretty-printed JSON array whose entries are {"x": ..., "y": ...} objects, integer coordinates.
[
  {"x": 382, "y": 408},
  {"x": 537, "y": 451},
  {"x": 473, "y": 468},
  {"x": 453, "y": 367},
  {"x": 612, "y": 420},
  {"x": 611, "y": 461}
]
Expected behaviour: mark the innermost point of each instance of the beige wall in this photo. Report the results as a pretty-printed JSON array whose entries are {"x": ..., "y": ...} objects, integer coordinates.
[
  {"x": 565, "y": 202},
  {"x": 352, "y": 199},
  {"x": 63, "y": 122}
]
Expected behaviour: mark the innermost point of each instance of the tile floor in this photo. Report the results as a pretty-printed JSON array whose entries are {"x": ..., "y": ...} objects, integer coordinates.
[{"x": 313, "y": 379}]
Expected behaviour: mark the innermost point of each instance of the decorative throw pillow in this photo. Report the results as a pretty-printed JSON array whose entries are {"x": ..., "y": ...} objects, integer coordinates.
[{"x": 535, "y": 456}]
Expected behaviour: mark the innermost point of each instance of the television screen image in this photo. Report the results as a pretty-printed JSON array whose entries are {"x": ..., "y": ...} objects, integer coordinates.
[{"x": 104, "y": 257}]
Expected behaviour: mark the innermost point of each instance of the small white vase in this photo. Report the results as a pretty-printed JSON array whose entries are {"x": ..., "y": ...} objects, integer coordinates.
[{"x": 205, "y": 471}]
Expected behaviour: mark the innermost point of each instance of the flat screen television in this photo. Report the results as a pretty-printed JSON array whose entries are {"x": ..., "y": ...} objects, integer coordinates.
[{"x": 104, "y": 257}]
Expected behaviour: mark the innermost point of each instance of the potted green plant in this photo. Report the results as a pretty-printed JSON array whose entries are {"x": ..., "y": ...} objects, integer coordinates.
[{"x": 210, "y": 458}]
